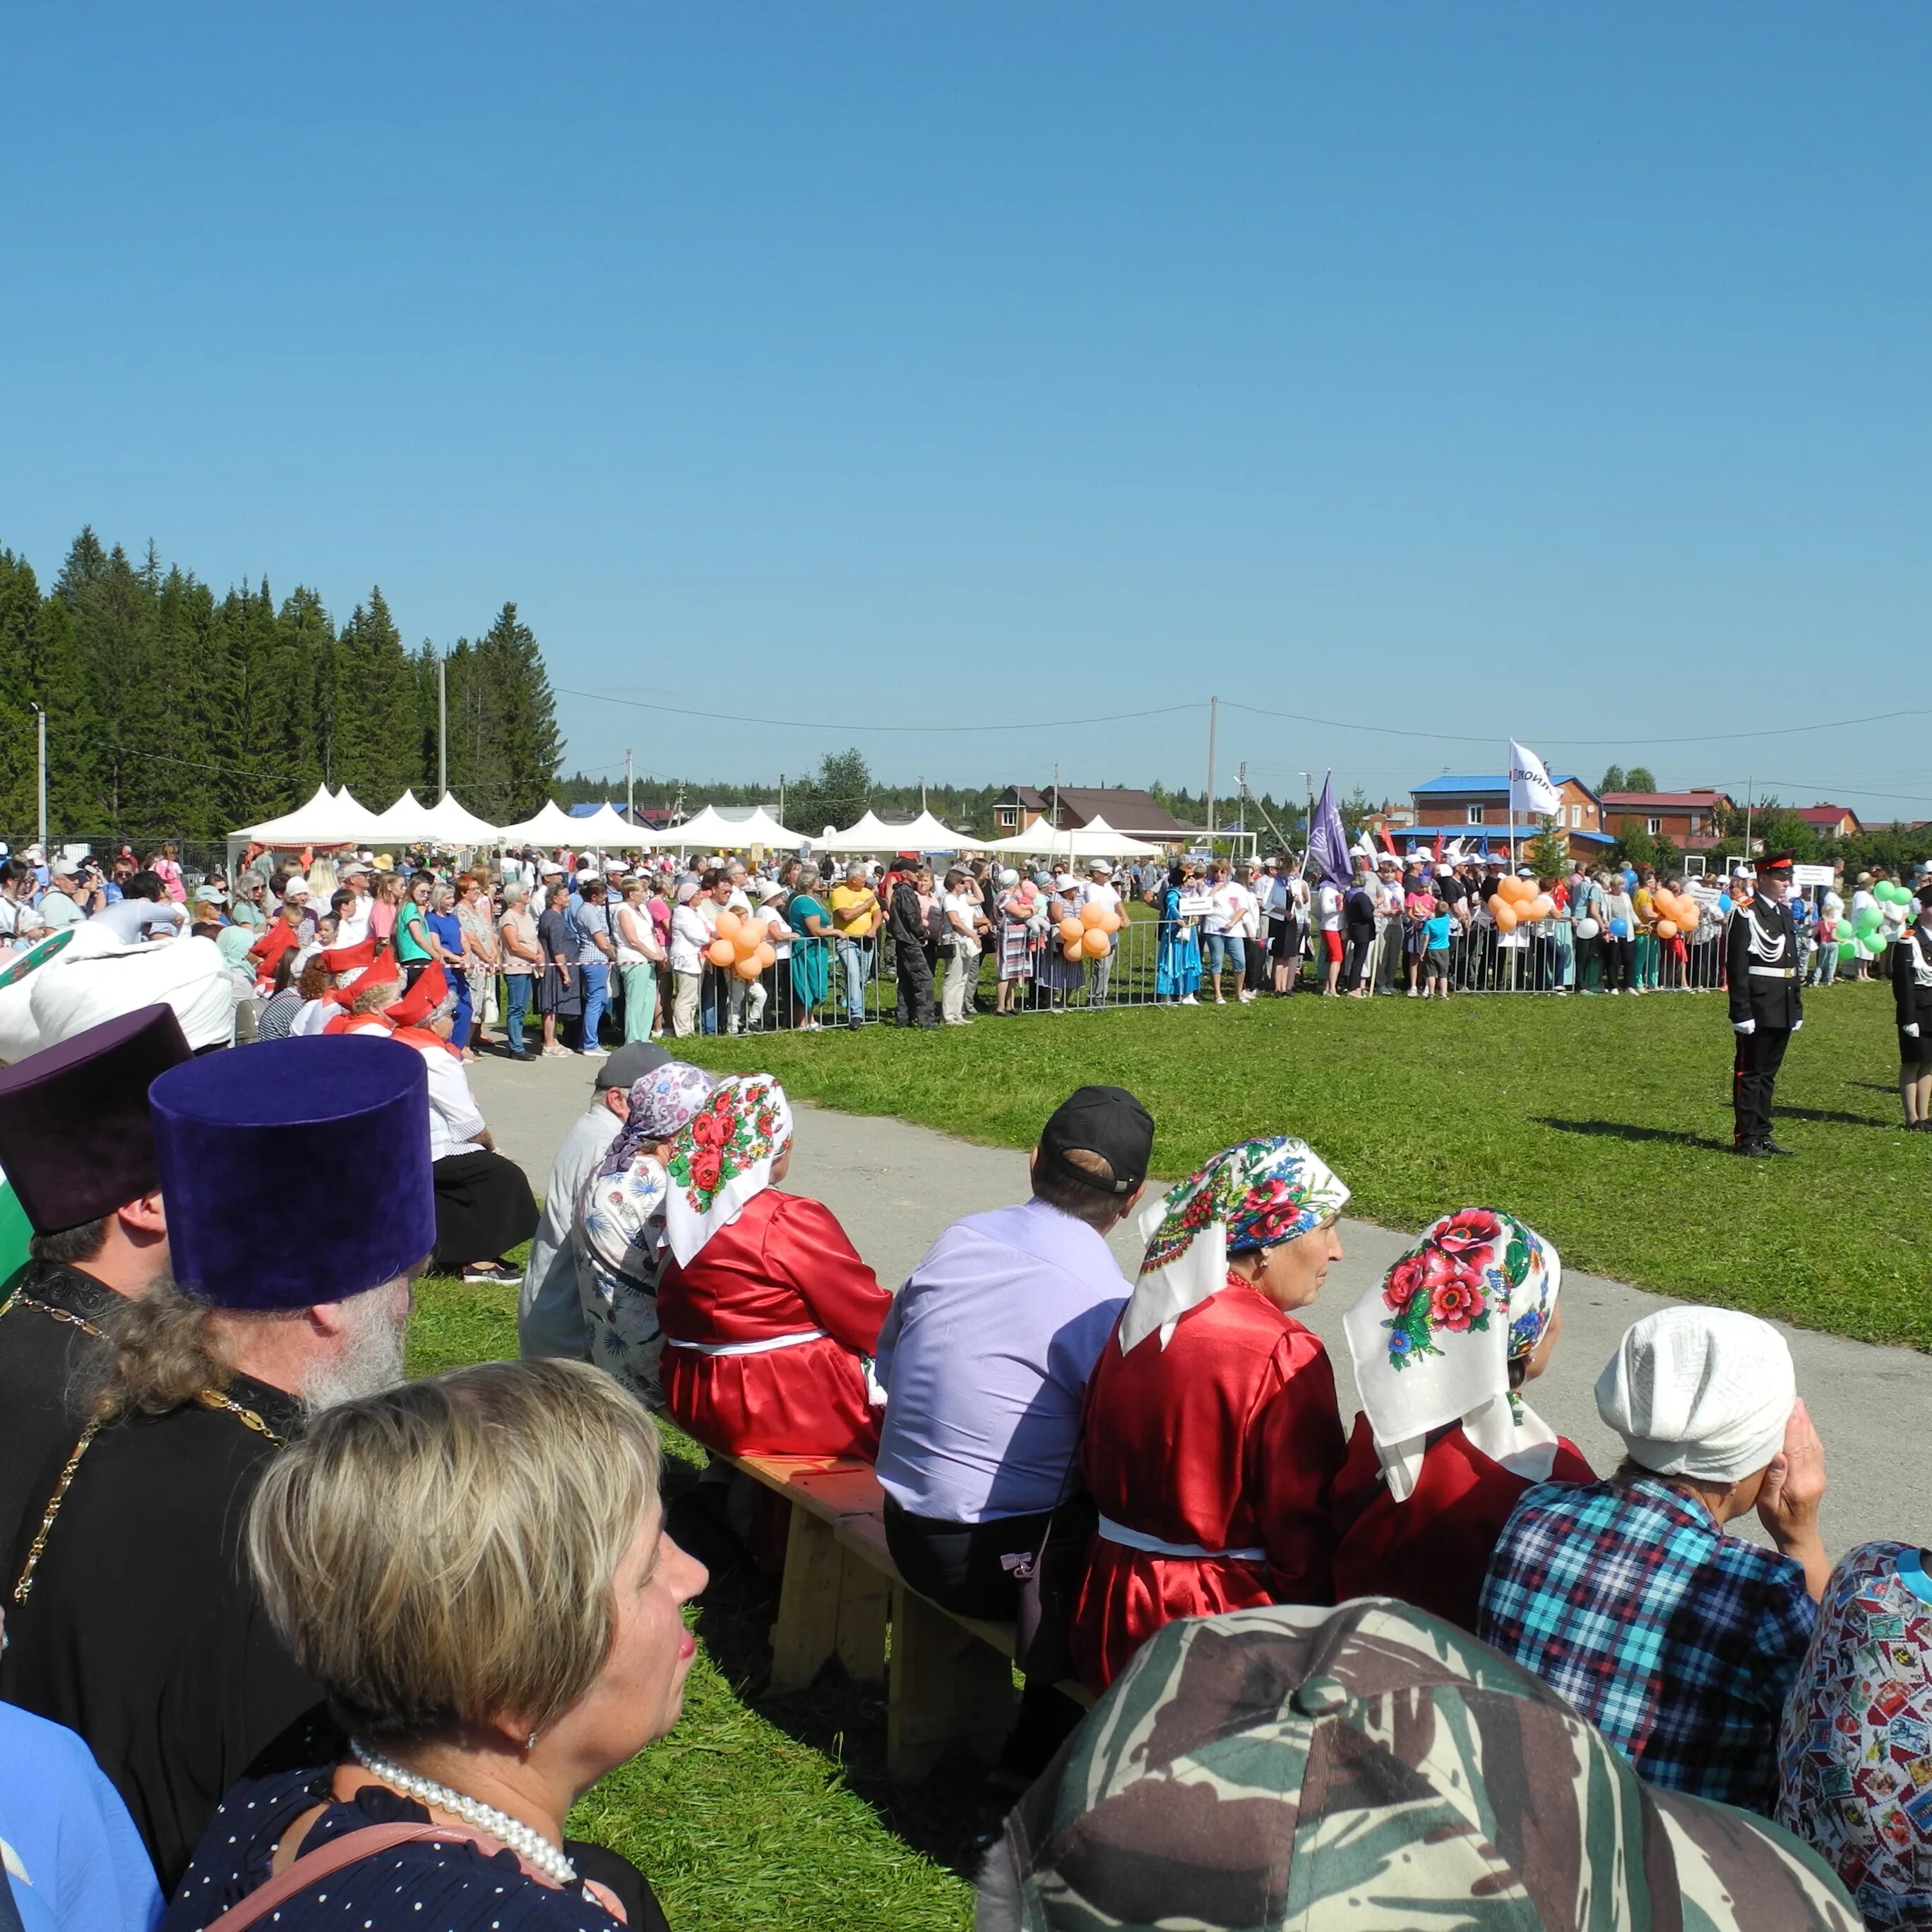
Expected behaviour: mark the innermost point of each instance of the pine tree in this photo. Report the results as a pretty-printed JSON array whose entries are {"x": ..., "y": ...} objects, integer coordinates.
[
  {"x": 19, "y": 622},
  {"x": 381, "y": 754}
]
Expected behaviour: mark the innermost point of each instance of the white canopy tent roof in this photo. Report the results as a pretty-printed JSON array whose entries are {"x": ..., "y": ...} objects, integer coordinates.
[
  {"x": 762, "y": 829},
  {"x": 329, "y": 818},
  {"x": 870, "y": 835},
  {"x": 706, "y": 831},
  {"x": 452, "y": 824},
  {"x": 407, "y": 819},
  {"x": 552, "y": 826},
  {"x": 1096, "y": 839},
  {"x": 926, "y": 834},
  {"x": 606, "y": 828}
]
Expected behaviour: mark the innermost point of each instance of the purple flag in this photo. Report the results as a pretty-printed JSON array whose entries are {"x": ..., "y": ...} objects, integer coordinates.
[{"x": 1328, "y": 843}]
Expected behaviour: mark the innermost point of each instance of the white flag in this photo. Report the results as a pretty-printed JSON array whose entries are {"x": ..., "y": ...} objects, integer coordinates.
[{"x": 1529, "y": 787}]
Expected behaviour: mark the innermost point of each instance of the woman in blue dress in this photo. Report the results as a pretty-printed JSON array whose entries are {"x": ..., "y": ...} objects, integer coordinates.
[
  {"x": 1177, "y": 964},
  {"x": 811, "y": 950}
]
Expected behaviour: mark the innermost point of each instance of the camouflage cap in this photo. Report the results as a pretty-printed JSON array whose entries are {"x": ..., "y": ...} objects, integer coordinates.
[{"x": 1376, "y": 1768}]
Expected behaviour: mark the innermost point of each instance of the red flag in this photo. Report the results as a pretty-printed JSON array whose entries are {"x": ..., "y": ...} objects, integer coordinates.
[
  {"x": 1389, "y": 843},
  {"x": 1438, "y": 859}
]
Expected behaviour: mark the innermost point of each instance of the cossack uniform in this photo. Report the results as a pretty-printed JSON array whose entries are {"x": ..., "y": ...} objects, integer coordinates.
[{"x": 1761, "y": 971}]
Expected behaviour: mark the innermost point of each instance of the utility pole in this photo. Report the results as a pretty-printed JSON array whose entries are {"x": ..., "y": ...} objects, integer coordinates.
[
  {"x": 41, "y": 728},
  {"x": 1751, "y": 787},
  {"x": 1241, "y": 787},
  {"x": 442, "y": 726},
  {"x": 1214, "y": 720},
  {"x": 630, "y": 788},
  {"x": 922, "y": 792},
  {"x": 781, "y": 798}
]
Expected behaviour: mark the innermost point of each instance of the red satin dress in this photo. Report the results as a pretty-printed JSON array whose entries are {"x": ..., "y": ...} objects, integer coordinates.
[
  {"x": 1433, "y": 1549},
  {"x": 1228, "y": 1439},
  {"x": 784, "y": 1266}
]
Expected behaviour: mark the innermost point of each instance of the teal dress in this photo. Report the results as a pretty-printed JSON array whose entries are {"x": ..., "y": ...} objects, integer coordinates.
[
  {"x": 811, "y": 970},
  {"x": 1177, "y": 960}
]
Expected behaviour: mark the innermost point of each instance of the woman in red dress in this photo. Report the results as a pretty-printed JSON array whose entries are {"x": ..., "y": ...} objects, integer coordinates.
[
  {"x": 1211, "y": 1434},
  {"x": 770, "y": 1317},
  {"x": 1445, "y": 1444}
]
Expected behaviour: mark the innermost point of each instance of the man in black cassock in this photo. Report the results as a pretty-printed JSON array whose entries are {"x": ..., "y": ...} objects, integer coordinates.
[
  {"x": 1762, "y": 970},
  {"x": 76, "y": 1148},
  {"x": 130, "y": 1616}
]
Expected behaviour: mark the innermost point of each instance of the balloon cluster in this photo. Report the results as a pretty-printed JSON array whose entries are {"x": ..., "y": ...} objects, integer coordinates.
[
  {"x": 741, "y": 946},
  {"x": 1087, "y": 938},
  {"x": 1517, "y": 902},
  {"x": 1676, "y": 912}
]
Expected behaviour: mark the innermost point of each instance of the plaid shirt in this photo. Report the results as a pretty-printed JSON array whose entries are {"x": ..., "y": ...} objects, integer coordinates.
[{"x": 1679, "y": 1643}]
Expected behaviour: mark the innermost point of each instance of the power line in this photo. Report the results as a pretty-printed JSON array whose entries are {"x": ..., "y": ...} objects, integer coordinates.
[
  {"x": 1544, "y": 738},
  {"x": 845, "y": 724}
]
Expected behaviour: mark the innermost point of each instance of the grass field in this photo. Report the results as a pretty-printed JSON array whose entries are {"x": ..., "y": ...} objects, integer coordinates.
[
  {"x": 758, "y": 1810},
  {"x": 1605, "y": 1123}
]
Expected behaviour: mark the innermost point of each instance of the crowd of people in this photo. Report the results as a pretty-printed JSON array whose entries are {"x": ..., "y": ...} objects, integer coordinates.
[{"x": 290, "y": 1641}]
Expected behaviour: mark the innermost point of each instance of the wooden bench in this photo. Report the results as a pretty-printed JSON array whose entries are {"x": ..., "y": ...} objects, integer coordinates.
[{"x": 951, "y": 1677}]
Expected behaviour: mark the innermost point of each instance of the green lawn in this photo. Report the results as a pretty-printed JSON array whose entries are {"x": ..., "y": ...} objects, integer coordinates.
[
  {"x": 758, "y": 1810},
  {"x": 1605, "y": 1123}
]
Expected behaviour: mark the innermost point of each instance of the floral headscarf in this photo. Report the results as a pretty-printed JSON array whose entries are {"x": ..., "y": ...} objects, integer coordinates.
[
  {"x": 1433, "y": 1344},
  {"x": 661, "y": 1103},
  {"x": 1253, "y": 1195},
  {"x": 723, "y": 1158}
]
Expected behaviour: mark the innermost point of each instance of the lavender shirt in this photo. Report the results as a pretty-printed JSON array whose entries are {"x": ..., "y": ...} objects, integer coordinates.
[{"x": 985, "y": 1358}]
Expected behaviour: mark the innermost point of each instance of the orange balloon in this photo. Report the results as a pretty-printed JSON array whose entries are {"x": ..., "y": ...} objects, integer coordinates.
[
  {"x": 728, "y": 923},
  {"x": 1504, "y": 917},
  {"x": 1075, "y": 949},
  {"x": 1666, "y": 929},
  {"x": 747, "y": 968},
  {"x": 1097, "y": 945},
  {"x": 1071, "y": 932},
  {"x": 1689, "y": 912},
  {"x": 1114, "y": 922},
  {"x": 1542, "y": 907},
  {"x": 721, "y": 952},
  {"x": 749, "y": 938},
  {"x": 767, "y": 956},
  {"x": 1093, "y": 916},
  {"x": 1499, "y": 905}
]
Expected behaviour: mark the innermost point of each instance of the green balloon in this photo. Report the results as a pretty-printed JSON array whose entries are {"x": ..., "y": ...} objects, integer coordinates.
[
  {"x": 1848, "y": 951},
  {"x": 1867, "y": 919}
]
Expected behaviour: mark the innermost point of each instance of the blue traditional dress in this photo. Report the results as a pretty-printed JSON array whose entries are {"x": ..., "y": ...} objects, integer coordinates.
[{"x": 1178, "y": 966}]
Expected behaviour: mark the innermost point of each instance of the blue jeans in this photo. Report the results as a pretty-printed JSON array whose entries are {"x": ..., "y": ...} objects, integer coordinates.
[
  {"x": 856, "y": 956},
  {"x": 516, "y": 986},
  {"x": 1229, "y": 944},
  {"x": 459, "y": 1020},
  {"x": 596, "y": 997}
]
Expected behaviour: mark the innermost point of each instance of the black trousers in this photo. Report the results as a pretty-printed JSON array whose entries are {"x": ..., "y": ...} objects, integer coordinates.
[
  {"x": 915, "y": 985},
  {"x": 959, "y": 1566},
  {"x": 1754, "y": 1077}
]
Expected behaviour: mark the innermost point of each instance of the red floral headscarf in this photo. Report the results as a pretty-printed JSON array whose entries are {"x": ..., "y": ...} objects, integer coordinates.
[{"x": 722, "y": 1158}]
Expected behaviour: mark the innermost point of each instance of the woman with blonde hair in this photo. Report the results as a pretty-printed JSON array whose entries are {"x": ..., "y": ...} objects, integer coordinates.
[{"x": 474, "y": 1569}]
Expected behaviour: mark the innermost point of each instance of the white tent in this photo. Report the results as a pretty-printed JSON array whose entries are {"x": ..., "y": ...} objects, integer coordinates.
[
  {"x": 405, "y": 821},
  {"x": 450, "y": 824},
  {"x": 1096, "y": 839},
  {"x": 870, "y": 835},
  {"x": 926, "y": 834},
  {"x": 552, "y": 826},
  {"x": 329, "y": 818},
  {"x": 607, "y": 829},
  {"x": 762, "y": 829},
  {"x": 707, "y": 831}
]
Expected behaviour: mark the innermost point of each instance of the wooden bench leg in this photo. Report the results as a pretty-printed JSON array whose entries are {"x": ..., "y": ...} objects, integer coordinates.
[
  {"x": 947, "y": 1688},
  {"x": 806, "y": 1633},
  {"x": 865, "y": 1599}
]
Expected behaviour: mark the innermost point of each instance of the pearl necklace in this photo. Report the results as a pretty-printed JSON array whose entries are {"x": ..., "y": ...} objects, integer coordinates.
[{"x": 524, "y": 1840}]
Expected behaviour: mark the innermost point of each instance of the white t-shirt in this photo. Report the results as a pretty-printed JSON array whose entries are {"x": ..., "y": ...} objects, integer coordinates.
[
  {"x": 1243, "y": 910},
  {"x": 1102, "y": 895},
  {"x": 131, "y": 919},
  {"x": 353, "y": 928},
  {"x": 961, "y": 909},
  {"x": 690, "y": 934},
  {"x": 1328, "y": 904}
]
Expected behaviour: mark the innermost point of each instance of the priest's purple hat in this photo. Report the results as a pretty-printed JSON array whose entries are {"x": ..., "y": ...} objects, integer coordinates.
[
  {"x": 342, "y": 1124},
  {"x": 74, "y": 1137}
]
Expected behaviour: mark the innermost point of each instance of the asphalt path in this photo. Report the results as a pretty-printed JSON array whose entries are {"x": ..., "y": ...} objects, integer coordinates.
[{"x": 894, "y": 1186}]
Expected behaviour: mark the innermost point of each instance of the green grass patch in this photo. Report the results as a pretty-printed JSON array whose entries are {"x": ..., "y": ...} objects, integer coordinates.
[
  {"x": 757, "y": 1810},
  {"x": 1604, "y": 1123}
]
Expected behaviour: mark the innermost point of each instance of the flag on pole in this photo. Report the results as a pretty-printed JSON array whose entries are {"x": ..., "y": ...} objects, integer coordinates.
[
  {"x": 1530, "y": 789},
  {"x": 1328, "y": 843}
]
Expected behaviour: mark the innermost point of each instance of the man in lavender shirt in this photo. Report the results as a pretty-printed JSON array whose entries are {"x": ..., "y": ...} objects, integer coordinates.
[{"x": 985, "y": 1358}]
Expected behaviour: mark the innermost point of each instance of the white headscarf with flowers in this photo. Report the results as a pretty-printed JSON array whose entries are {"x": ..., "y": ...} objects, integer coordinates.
[
  {"x": 1250, "y": 1196},
  {"x": 722, "y": 1158},
  {"x": 1433, "y": 1343}
]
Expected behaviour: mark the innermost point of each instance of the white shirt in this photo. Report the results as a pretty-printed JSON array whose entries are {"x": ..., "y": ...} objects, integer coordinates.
[
  {"x": 129, "y": 919},
  {"x": 1328, "y": 900},
  {"x": 550, "y": 1314},
  {"x": 636, "y": 919},
  {"x": 455, "y": 1121},
  {"x": 960, "y": 909},
  {"x": 1103, "y": 895},
  {"x": 353, "y": 928},
  {"x": 690, "y": 934}
]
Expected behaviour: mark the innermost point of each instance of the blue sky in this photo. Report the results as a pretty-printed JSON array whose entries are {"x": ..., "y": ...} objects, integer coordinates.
[{"x": 1472, "y": 370}]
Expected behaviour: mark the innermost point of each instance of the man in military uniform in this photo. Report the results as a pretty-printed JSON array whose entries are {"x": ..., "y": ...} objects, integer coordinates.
[
  {"x": 130, "y": 1617},
  {"x": 1762, "y": 969},
  {"x": 75, "y": 1147}
]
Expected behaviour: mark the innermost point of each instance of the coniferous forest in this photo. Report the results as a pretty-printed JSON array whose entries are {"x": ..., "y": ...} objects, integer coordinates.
[{"x": 175, "y": 712}]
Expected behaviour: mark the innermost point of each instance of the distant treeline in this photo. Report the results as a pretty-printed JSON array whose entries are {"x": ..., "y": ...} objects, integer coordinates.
[{"x": 173, "y": 712}]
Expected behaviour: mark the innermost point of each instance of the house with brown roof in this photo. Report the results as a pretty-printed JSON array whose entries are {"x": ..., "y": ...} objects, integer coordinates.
[
  {"x": 1688, "y": 819},
  {"x": 1019, "y": 808}
]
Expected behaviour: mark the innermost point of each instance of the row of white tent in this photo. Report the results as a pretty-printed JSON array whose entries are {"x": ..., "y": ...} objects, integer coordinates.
[{"x": 335, "y": 818}]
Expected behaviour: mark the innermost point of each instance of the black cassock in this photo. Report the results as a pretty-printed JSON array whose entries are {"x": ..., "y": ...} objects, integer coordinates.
[
  {"x": 140, "y": 1628},
  {"x": 1761, "y": 971},
  {"x": 50, "y": 1341}
]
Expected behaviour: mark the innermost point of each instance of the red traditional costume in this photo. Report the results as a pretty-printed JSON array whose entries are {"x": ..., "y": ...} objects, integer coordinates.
[
  {"x": 1444, "y": 1445},
  {"x": 1210, "y": 1435},
  {"x": 765, "y": 1306}
]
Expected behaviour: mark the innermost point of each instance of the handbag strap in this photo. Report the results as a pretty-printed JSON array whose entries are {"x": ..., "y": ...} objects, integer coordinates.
[{"x": 365, "y": 1842}]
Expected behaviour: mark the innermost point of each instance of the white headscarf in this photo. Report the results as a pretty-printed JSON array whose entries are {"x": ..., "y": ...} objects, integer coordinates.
[
  {"x": 723, "y": 1158},
  {"x": 1251, "y": 1196},
  {"x": 1432, "y": 1345},
  {"x": 1700, "y": 1392}
]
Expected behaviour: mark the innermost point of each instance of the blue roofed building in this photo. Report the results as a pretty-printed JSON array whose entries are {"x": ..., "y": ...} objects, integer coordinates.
[{"x": 1475, "y": 809}]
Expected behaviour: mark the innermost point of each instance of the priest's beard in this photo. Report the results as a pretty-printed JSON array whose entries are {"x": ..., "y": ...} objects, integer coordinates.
[{"x": 370, "y": 1358}]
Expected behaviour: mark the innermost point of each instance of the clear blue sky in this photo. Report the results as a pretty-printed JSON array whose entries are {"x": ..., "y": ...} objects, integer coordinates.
[{"x": 1556, "y": 371}]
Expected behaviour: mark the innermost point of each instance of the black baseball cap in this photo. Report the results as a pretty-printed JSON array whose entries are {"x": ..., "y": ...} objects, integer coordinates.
[{"x": 1106, "y": 1120}]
